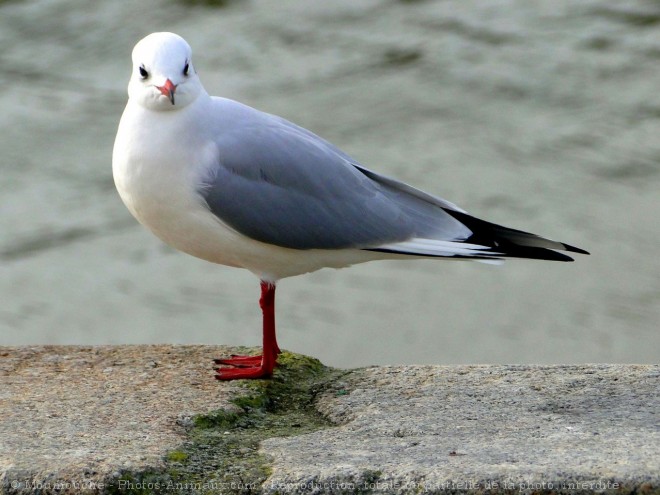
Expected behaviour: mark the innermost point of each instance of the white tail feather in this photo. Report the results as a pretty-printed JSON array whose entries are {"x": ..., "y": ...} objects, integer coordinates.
[{"x": 435, "y": 247}]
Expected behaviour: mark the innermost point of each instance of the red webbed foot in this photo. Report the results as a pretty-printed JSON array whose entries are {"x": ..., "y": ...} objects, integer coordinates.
[
  {"x": 240, "y": 361},
  {"x": 262, "y": 370}
]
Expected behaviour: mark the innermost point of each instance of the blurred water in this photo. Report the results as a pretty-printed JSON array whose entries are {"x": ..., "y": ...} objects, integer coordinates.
[{"x": 541, "y": 115}]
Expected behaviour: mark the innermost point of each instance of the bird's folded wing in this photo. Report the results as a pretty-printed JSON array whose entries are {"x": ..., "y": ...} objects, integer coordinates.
[{"x": 282, "y": 185}]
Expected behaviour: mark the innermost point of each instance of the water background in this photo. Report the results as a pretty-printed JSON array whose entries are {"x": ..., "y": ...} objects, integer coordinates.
[{"x": 540, "y": 115}]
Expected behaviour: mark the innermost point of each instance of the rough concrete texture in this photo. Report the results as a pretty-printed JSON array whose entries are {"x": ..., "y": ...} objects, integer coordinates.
[
  {"x": 84, "y": 415},
  {"x": 478, "y": 428},
  {"x": 78, "y": 416}
]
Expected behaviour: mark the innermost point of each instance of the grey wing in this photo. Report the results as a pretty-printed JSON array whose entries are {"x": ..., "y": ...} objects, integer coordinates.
[{"x": 281, "y": 184}]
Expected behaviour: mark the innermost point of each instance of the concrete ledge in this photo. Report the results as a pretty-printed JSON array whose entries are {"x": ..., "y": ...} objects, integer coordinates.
[{"x": 151, "y": 419}]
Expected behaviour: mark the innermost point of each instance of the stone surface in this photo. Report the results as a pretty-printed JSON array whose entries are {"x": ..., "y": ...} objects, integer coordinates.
[
  {"x": 518, "y": 428},
  {"x": 76, "y": 415},
  {"x": 81, "y": 416}
]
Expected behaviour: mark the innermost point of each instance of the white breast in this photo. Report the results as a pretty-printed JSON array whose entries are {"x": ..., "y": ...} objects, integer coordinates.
[
  {"x": 157, "y": 179},
  {"x": 159, "y": 162}
]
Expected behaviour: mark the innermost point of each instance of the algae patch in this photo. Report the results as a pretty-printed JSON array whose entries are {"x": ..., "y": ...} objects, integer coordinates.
[{"x": 221, "y": 454}]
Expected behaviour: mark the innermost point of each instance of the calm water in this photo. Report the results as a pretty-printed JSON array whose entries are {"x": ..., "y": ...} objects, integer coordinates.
[{"x": 540, "y": 115}]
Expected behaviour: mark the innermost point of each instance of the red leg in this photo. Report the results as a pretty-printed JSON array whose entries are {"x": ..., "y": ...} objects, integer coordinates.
[
  {"x": 256, "y": 366},
  {"x": 267, "y": 304}
]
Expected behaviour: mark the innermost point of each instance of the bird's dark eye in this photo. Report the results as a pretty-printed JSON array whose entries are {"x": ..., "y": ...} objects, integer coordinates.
[
  {"x": 186, "y": 68},
  {"x": 143, "y": 72}
]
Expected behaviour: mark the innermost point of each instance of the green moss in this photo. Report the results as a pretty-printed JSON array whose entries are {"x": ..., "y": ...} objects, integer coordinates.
[
  {"x": 216, "y": 419},
  {"x": 177, "y": 456},
  {"x": 221, "y": 454}
]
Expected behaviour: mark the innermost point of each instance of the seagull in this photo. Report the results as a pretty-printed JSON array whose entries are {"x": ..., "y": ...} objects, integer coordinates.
[{"x": 235, "y": 186}]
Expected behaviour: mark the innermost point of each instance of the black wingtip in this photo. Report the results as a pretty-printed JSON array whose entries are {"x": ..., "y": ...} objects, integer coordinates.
[
  {"x": 536, "y": 254},
  {"x": 574, "y": 249},
  {"x": 512, "y": 242}
]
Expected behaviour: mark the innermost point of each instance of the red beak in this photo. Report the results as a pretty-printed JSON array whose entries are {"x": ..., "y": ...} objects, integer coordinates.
[{"x": 168, "y": 90}]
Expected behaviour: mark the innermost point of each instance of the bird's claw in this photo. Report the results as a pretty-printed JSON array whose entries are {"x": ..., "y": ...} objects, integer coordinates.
[
  {"x": 242, "y": 367},
  {"x": 247, "y": 372},
  {"x": 240, "y": 361}
]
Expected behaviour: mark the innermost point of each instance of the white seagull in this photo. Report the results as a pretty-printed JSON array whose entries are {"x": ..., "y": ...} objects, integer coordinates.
[{"x": 233, "y": 185}]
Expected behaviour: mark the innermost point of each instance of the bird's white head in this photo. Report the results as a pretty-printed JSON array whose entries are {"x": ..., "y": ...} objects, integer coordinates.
[{"x": 163, "y": 77}]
